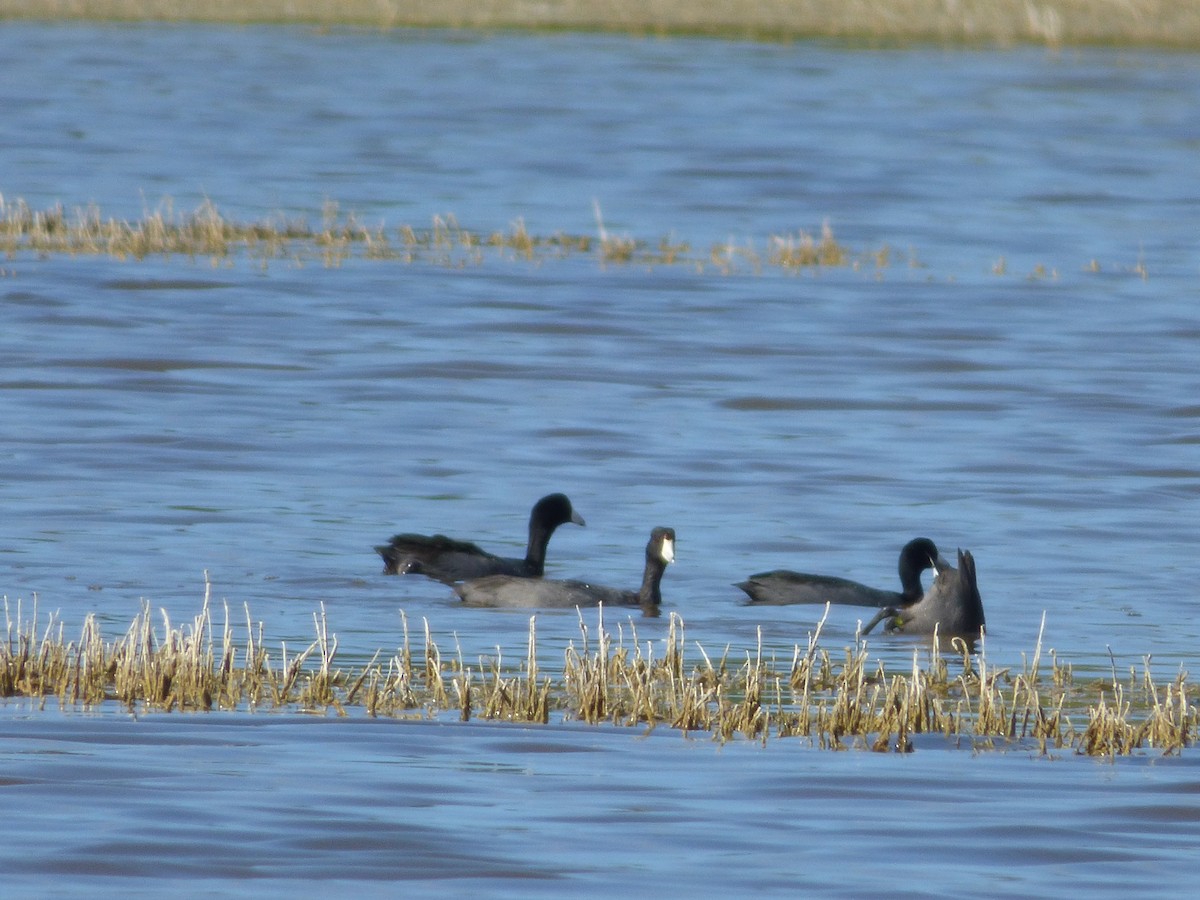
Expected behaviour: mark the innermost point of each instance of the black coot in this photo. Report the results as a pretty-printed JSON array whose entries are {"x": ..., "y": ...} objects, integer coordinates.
[
  {"x": 506, "y": 591},
  {"x": 952, "y": 605},
  {"x": 783, "y": 587},
  {"x": 447, "y": 560}
]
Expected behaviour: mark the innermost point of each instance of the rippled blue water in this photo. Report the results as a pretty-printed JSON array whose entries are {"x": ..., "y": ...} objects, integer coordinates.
[{"x": 1020, "y": 380}]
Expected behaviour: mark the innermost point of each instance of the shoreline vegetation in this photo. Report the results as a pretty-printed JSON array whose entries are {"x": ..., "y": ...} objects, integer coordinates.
[
  {"x": 836, "y": 701},
  {"x": 1149, "y": 23}
]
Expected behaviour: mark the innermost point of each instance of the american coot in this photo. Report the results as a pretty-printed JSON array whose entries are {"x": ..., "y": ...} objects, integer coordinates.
[
  {"x": 952, "y": 604},
  {"x": 447, "y": 560},
  {"x": 504, "y": 590},
  {"x": 781, "y": 586}
]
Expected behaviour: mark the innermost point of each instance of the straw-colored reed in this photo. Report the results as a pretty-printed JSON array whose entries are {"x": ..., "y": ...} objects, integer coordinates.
[{"x": 835, "y": 700}]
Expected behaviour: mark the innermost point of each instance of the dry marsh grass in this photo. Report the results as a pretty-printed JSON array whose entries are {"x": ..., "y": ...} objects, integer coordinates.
[
  {"x": 1166, "y": 23},
  {"x": 206, "y": 234},
  {"x": 836, "y": 700}
]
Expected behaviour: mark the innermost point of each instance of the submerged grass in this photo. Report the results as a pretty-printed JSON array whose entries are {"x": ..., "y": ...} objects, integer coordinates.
[
  {"x": 836, "y": 700},
  {"x": 206, "y": 234},
  {"x": 1169, "y": 23}
]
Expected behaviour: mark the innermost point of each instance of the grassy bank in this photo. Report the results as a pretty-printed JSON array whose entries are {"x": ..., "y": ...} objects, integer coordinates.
[
  {"x": 837, "y": 700},
  {"x": 1163, "y": 23}
]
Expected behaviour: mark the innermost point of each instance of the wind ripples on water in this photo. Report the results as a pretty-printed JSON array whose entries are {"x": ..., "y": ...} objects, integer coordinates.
[{"x": 1019, "y": 379}]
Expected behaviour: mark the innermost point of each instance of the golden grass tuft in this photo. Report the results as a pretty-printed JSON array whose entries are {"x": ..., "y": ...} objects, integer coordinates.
[
  {"x": 803, "y": 250},
  {"x": 836, "y": 700}
]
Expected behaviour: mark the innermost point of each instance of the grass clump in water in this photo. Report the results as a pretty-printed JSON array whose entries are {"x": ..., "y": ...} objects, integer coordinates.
[
  {"x": 207, "y": 234},
  {"x": 835, "y": 701},
  {"x": 804, "y": 250}
]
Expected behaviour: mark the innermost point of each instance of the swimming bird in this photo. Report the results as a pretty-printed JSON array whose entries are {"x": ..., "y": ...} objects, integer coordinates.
[
  {"x": 447, "y": 560},
  {"x": 506, "y": 591},
  {"x": 782, "y": 586},
  {"x": 952, "y": 604}
]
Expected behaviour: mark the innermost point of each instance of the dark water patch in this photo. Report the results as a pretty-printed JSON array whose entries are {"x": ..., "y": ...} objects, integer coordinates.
[
  {"x": 1102, "y": 402},
  {"x": 32, "y": 385},
  {"x": 512, "y": 305},
  {"x": 948, "y": 366},
  {"x": 563, "y": 329},
  {"x": 590, "y": 434},
  {"x": 34, "y": 299},
  {"x": 162, "y": 284},
  {"x": 1099, "y": 199},
  {"x": 457, "y": 370},
  {"x": 1182, "y": 818},
  {"x": 1169, "y": 474},
  {"x": 86, "y": 322},
  {"x": 162, "y": 364},
  {"x": 836, "y": 404},
  {"x": 1182, "y": 412}
]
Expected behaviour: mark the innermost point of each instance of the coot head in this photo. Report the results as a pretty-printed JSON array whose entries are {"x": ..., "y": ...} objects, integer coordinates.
[
  {"x": 554, "y": 510},
  {"x": 916, "y": 556}
]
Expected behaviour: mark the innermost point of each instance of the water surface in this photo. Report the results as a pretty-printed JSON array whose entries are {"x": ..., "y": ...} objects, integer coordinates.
[{"x": 1019, "y": 380}]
